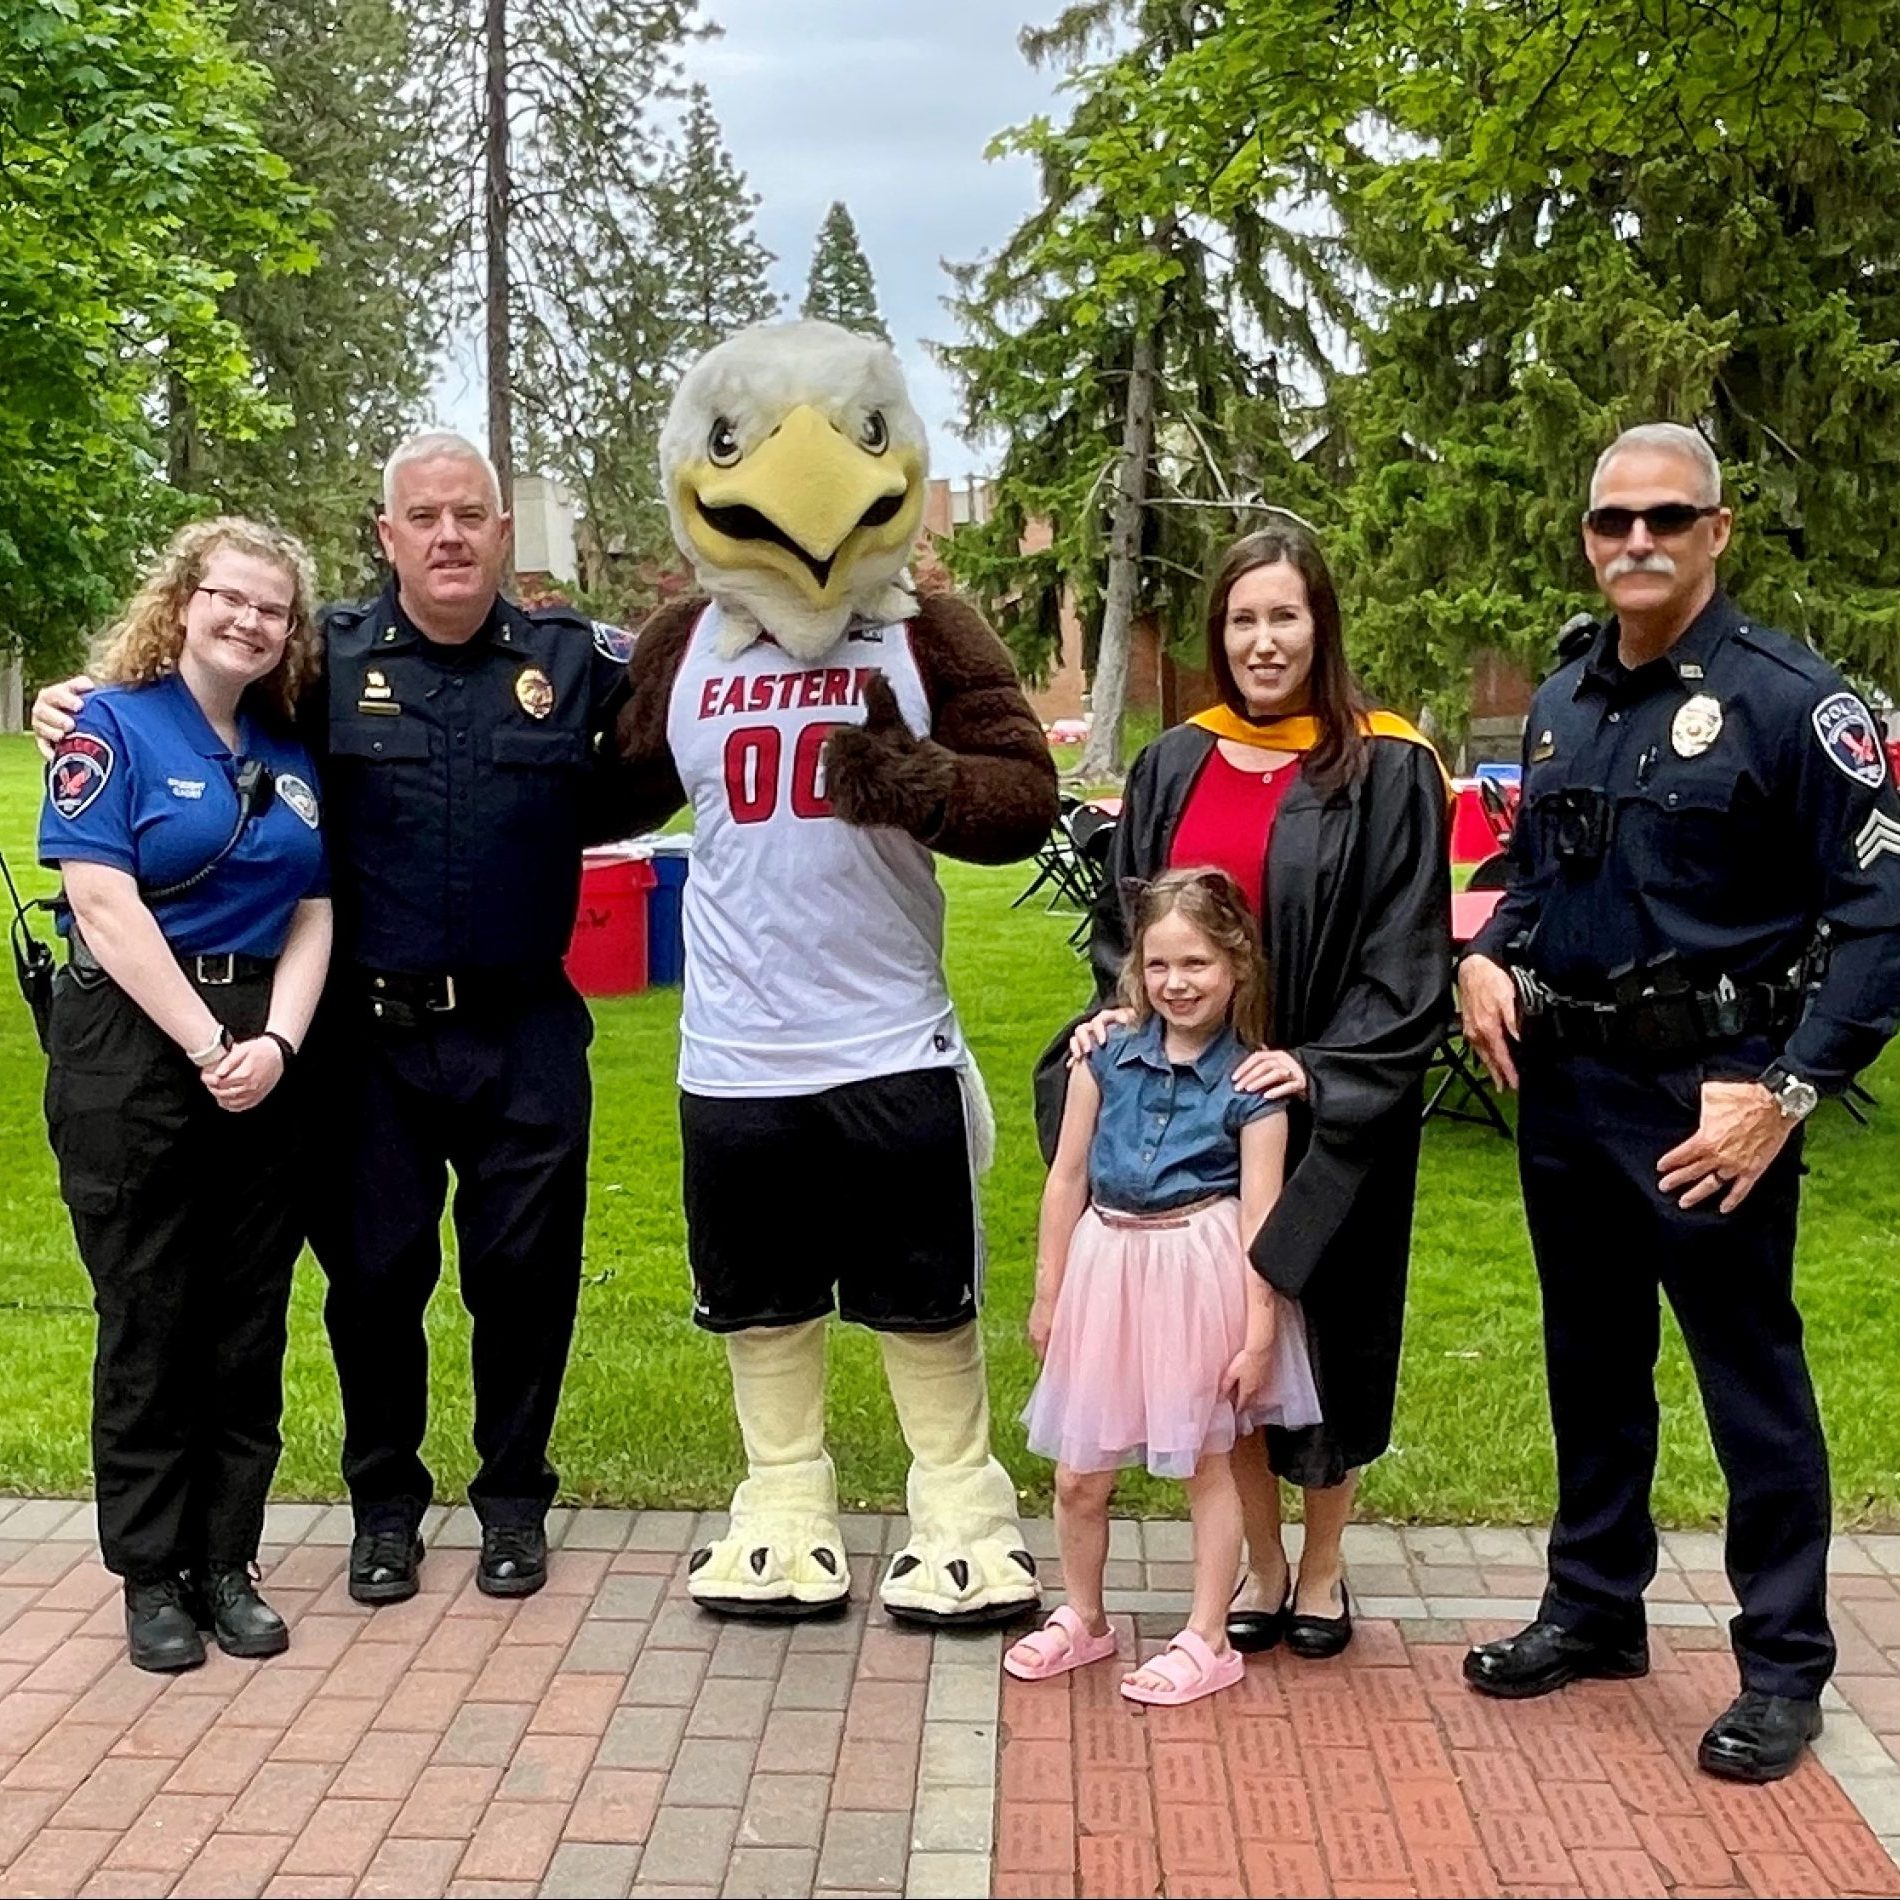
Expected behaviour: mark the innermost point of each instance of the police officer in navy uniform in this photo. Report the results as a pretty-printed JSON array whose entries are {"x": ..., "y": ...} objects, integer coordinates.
[
  {"x": 461, "y": 747},
  {"x": 1700, "y": 939},
  {"x": 183, "y": 816},
  {"x": 466, "y": 771}
]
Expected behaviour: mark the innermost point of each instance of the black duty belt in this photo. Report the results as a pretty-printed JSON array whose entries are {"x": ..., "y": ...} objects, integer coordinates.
[
  {"x": 1670, "y": 1027},
  {"x": 403, "y": 999},
  {"x": 209, "y": 972}
]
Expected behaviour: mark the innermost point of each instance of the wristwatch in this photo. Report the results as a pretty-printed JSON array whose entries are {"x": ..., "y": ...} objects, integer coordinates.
[
  {"x": 204, "y": 1058},
  {"x": 1795, "y": 1098}
]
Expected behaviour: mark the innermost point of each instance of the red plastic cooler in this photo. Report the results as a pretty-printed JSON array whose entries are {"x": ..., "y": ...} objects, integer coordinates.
[{"x": 608, "y": 953}]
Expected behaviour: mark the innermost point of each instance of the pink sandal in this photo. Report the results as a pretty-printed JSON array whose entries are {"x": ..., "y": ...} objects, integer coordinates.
[
  {"x": 1190, "y": 1669},
  {"x": 1063, "y": 1643}
]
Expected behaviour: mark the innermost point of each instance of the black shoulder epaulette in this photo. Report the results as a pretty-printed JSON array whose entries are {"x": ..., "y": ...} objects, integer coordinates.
[
  {"x": 340, "y": 616},
  {"x": 1575, "y": 637},
  {"x": 1785, "y": 650}
]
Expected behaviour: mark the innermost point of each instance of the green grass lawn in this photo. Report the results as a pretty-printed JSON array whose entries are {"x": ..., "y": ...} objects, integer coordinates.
[{"x": 646, "y": 1419}]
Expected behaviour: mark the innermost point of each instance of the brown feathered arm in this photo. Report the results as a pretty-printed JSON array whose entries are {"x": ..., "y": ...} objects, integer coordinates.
[
  {"x": 654, "y": 792},
  {"x": 982, "y": 786}
]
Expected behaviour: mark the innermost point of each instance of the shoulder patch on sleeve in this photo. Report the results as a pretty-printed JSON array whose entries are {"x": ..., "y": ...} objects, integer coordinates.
[
  {"x": 82, "y": 763},
  {"x": 1850, "y": 738},
  {"x": 613, "y": 643}
]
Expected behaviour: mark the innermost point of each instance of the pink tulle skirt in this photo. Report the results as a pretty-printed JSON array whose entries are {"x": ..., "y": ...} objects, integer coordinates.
[{"x": 1152, "y": 1311}]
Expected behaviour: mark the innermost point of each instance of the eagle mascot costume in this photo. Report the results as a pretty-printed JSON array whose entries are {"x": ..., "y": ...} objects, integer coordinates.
[{"x": 831, "y": 730}]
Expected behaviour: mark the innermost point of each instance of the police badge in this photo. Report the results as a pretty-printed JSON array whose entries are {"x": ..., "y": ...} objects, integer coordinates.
[
  {"x": 535, "y": 691},
  {"x": 1696, "y": 727}
]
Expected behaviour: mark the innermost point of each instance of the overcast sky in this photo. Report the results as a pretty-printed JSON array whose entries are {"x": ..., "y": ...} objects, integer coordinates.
[{"x": 887, "y": 107}]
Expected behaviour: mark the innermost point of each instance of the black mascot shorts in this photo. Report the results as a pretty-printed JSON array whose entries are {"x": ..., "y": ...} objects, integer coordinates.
[{"x": 867, "y": 1188}]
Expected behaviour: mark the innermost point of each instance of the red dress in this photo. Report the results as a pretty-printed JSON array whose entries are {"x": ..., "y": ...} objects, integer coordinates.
[{"x": 1227, "y": 821}]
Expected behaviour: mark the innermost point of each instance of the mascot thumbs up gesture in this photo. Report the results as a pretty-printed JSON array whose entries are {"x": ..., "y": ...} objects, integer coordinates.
[{"x": 831, "y": 732}]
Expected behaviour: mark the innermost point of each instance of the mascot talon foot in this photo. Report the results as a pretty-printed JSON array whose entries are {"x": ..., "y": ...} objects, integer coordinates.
[
  {"x": 763, "y": 1573},
  {"x": 990, "y": 1582}
]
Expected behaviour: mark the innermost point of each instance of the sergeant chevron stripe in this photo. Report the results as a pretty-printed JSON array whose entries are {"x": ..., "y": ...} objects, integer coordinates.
[{"x": 1880, "y": 833}]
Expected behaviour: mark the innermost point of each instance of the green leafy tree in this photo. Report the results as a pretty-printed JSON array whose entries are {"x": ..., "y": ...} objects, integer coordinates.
[
  {"x": 133, "y": 179},
  {"x": 347, "y": 349},
  {"x": 840, "y": 288},
  {"x": 1136, "y": 359}
]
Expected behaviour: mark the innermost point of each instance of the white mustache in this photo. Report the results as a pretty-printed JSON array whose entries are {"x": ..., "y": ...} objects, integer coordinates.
[{"x": 1655, "y": 562}]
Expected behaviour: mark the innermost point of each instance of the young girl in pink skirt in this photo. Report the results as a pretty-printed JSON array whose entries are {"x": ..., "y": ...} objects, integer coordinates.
[{"x": 1159, "y": 1343}]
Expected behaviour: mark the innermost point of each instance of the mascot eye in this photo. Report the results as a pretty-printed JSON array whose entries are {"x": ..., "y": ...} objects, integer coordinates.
[
  {"x": 875, "y": 434},
  {"x": 722, "y": 445}
]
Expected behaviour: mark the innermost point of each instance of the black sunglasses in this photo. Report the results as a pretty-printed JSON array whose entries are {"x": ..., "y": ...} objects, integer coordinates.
[{"x": 1665, "y": 521}]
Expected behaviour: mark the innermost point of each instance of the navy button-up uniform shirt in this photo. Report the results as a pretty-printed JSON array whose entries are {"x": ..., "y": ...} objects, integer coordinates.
[
  {"x": 463, "y": 782},
  {"x": 1167, "y": 1133},
  {"x": 1741, "y": 802}
]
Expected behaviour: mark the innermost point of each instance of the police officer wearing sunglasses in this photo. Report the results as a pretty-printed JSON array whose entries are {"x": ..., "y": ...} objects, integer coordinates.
[
  {"x": 1700, "y": 939},
  {"x": 182, "y": 814}
]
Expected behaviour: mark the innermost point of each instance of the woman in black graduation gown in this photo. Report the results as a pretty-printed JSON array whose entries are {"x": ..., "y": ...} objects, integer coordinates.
[{"x": 1333, "y": 818}]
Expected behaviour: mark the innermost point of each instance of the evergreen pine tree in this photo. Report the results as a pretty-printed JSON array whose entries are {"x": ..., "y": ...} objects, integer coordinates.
[
  {"x": 841, "y": 289},
  {"x": 703, "y": 216}
]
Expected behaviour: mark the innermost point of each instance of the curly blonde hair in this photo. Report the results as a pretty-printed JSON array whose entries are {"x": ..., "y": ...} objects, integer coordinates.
[
  {"x": 145, "y": 642},
  {"x": 1214, "y": 904}
]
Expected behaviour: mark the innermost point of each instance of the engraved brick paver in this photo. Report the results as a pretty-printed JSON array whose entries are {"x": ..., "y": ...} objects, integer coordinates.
[{"x": 606, "y": 1738}]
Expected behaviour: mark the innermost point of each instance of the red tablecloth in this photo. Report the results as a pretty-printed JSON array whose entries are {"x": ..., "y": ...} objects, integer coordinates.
[{"x": 1470, "y": 912}]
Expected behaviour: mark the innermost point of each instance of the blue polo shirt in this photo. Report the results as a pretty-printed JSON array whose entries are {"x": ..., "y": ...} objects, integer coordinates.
[
  {"x": 1167, "y": 1133},
  {"x": 144, "y": 784}
]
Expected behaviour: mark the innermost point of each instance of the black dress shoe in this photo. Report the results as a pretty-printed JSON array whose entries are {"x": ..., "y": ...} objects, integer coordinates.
[
  {"x": 161, "y": 1634},
  {"x": 383, "y": 1566},
  {"x": 1318, "y": 1637},
  {"x": 1759, "y": 1737},
  {"x": 1542, "y": 1657},
  {"x": 241, "y": 1621},
  {"x": 1252, "y": 1631},
  {"x": 514, "y": 1560}
]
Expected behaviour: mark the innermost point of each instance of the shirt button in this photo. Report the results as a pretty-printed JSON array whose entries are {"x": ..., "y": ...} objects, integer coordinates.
[
  {"x": 1672, "y": 798},
  {"x": 1616, "y": 719},
  {"x": 457, "y": 684}
]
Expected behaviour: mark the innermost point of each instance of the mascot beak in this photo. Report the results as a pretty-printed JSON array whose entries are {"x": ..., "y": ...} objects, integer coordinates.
[{"x": 796, "y": 501}]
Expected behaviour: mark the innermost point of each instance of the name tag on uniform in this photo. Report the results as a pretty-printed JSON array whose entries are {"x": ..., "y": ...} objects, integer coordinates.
[{"x": 376, "y": 706}]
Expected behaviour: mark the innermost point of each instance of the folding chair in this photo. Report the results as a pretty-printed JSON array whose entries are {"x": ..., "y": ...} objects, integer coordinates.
[
  {"x": 1055, "y": 857},
  {"x": 1092, "y": 832},
  {"x": 1473, "y": 1102}
]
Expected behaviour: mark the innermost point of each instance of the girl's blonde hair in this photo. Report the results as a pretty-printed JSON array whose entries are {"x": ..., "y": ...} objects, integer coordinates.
[
  {"x": 144, "y": 644},
  {"x": 1213, "y": 903}
]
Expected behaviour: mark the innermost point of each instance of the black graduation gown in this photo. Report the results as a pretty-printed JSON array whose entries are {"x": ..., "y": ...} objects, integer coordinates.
[{"x": 1358, "y": 936}]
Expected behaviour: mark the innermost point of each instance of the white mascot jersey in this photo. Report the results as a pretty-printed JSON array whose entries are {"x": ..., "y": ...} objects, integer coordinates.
[{"x": 813, "y": 948}]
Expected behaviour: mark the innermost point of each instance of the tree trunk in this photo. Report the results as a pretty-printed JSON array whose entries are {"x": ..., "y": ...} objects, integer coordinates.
[
  {"x": 501, "y": 419},
  {"x": 1102, "y": 756}
]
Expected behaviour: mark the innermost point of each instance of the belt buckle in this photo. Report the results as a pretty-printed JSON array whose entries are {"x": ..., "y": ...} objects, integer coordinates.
[
  {"x": 448, "y": 995},
  {"x": 205, "y": 965}
]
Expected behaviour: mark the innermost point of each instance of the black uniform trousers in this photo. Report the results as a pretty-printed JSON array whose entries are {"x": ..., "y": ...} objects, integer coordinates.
[
  {"x": 189, "y": 1221},
  {"x": 1606, "y": 1238},
  {"x": 499, "y": 1091}
]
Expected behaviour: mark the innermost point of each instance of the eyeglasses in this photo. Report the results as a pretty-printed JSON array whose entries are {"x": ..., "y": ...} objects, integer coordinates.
[
  {"x": 270, "y": 616},
  {"x": 1665, "y": 521}
]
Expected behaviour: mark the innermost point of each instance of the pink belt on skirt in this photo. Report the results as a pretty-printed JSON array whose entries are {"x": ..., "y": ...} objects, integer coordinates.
[{"x": 1173, "y": 1217}]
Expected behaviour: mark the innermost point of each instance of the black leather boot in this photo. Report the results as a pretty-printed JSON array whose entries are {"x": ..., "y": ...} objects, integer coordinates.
[
  {"x": 1759, "y": 1737},
  {"x": 514, "y": 1560},
  {"x": 237, "y": 1617},
  {"x": 160, "y": 1632},
  {"x": 1544, "y": 1656}
]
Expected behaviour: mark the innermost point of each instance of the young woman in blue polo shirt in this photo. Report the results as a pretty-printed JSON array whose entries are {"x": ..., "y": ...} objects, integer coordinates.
[{"x": 183, "y": 816}]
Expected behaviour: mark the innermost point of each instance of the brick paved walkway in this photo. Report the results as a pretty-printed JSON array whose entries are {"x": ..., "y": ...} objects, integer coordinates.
[{"x": 603, "y": 1738}]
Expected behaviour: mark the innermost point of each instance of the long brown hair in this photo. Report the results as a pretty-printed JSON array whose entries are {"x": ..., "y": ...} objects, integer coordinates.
[
  {"x": 145, "y": 643},
  {"x": 1335, "y": 699},
  {"x": 1214, "y": 904}
]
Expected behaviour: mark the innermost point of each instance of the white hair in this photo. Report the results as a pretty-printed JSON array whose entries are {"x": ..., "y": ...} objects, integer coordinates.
[
  {"x": 1667, "y": 438},
  {"x": 429, "y": 445}
]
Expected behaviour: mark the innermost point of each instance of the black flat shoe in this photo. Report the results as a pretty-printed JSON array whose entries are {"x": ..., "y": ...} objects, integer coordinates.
[
  {"x": 161, "y": 1634},
  {"x": 384, "y": 1566},
  {"x": 1759, "y": 1737},
  {"x": 1543, "y": 1656},
  {"x": 514, "y": 1560},
  {"x": 1252, "y": 1631},
  {"x": 240, "y": 1621},
  {"x": 1319, "y": 1637}
]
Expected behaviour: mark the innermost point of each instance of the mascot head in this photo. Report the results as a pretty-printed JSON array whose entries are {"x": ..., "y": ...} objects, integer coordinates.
[{"x": 794, "y": 469}]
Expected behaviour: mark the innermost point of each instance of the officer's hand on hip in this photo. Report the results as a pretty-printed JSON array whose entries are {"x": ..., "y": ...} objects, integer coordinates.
[
  {"x": 55, "y": 708},
  {"x": 1487, "y": 999},
  {"x": 248, "y": 1073},
  {"x": 1741, "y": 1132}
]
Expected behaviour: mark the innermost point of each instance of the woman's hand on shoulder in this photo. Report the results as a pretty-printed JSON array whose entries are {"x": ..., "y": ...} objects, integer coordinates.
[
  {"x": 246, "y": 1074},
  {"x": 56, "y": 709},
  {"x": 1274, "y": 1073},
  {"x": 1093, "y": 1033}
]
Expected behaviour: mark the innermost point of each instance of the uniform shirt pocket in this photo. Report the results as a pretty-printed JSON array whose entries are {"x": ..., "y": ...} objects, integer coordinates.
[
  {"x": 551, "y": 751},
  {"x": 385, "y": 741}
]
